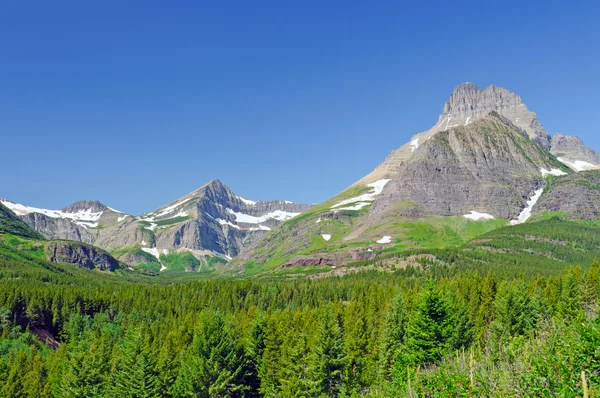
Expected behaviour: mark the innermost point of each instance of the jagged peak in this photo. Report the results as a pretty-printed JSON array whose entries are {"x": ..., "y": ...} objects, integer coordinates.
[{"x": 94, "y": 206}]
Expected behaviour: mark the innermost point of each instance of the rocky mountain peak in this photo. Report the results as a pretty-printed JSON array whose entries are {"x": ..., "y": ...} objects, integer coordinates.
[
  {"x": 469, "y": 102},
  {"x": 573, "y": 151},
  {"x": 93, "y": 206}
]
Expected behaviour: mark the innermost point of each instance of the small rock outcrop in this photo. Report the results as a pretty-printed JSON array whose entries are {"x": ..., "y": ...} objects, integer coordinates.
[{"x": 81, "y": 255}]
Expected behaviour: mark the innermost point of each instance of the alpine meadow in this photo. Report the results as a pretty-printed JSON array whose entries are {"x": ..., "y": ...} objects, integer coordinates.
[{"x": 466, "y": 264}]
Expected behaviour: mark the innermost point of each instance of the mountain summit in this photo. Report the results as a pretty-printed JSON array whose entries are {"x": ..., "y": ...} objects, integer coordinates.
[{"x": 487, "y": 160}]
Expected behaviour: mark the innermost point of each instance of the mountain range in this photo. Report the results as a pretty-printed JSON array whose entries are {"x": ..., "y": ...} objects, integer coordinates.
[{"x": 487, "y": 163}]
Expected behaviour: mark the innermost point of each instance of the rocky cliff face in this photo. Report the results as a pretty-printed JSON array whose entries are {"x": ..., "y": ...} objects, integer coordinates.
[
  {"x": 488, "y": 166},
  {"x": 211, "y": 220},
  {"x": 486, "y": 159},
  {"x": 467, "y": 104},
  {"x": 80, "y": 255},
  {"x": 57, "y": 228},
  {"x": 574, "y": 196},
  {"x": 214, "y": 219},
  {"x": 574, "y": 153}
]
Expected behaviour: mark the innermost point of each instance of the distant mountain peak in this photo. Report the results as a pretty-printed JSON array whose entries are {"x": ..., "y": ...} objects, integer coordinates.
[
  {"x": 93, "y": 206},
  {"x": 469, "y": 102}
]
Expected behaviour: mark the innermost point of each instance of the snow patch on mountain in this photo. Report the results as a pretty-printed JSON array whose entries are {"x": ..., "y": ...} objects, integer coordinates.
[
  {"x": 526, "y": 213},
  {"x": 578, "y": 165},
  {"x": 357, "y": 206},
  {"x": 225, "y": 256},
  {"x": 367, "y": 197},
  {"x": 553, "y": 172},
  {"x": 414, "y": 145},
  {"x": 326, "y": 237},
  {"x": 170, "y": 209},
  {"x": 479, "y": 216},
  {"x": 84, "y": 218},
  {"x": 247, "y": 201},
  {"x": 385, "y": 239},
  {"x": 278, "y": 215}
]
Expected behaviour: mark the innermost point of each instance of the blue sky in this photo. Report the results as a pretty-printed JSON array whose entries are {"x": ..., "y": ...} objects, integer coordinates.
[{"x": 137, "y": 104}]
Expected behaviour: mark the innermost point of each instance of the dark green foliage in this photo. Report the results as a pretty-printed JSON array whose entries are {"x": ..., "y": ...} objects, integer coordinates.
[
  {"x": 431, "y": 332},
  {"x": 452, "y": 328},
  {"x": 329, "y": 357},
  {"x": 213, "y": 365}
]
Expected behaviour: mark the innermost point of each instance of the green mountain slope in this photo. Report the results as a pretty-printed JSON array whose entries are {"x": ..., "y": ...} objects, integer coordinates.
[
  {"x": 488, "y": 166},
  {"x": 11, "y": 224}
]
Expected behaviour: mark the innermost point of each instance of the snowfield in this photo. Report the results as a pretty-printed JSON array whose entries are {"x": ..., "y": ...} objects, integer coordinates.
[
  {"x": 479, "y": 216},
  {"x": 553, "y": 172},
  {"x": 385, "y": 239},
  {"x": 278, "y": 215},
  {"x": 84, "y": 218},
  {"x": 578, "y": 165},
  {"x": 526, "y": 213},
  {"x": 414, "y": 145},
  {"x": 170, "y": 209},
  {"x": 247, "y": 201},
  {"x": 367, "y": 197},
  {"x": 326, "y": 237}
]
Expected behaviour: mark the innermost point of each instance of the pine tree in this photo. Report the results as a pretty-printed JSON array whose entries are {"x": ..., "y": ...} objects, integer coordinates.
[
  {"x": 591, "y": 287},
  {"x": 430, "y": 330},
  {"x": 270, "y": 367},
  {"x": 255, "y": 348},
  {"x": 213, "y": 365},
  {"x": 569, "y": 306},
  {"x": 168, "y": 363},
  {"x": 135, "y": 375},
  {"x": 35, "y": 383},
  {"x": 297, "y": 377},
  {"x": 329, "y": 357},
  {"x": 515, "y": 313},
  {"x": 392, "y": 336}
]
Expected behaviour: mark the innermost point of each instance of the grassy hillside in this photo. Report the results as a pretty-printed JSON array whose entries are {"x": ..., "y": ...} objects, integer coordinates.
[{"x": 11, "y": 224}]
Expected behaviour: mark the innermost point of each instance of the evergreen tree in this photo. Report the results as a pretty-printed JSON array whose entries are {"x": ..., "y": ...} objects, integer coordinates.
[
  {"x": 213, "y": 365},
  {"x": 135, "y": 375},
  {"x": 430, "y": 330},
  {"x": 270, "y": 368},
  {"x": 569, "y": 306},
  {"x": 255, "y": 348},
  {"x": 515, "y": 313},
  {"x": 392, "y": 336},
  {"x": 591, "y": 287},
  {"x": 329, "y": 357}
]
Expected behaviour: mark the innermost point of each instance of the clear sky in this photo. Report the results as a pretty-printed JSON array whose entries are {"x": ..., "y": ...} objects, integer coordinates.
[{"x": 136, "y": 103}]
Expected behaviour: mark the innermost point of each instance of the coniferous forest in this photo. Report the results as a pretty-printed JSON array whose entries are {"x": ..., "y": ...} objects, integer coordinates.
[{"x": 435, "y": 331}]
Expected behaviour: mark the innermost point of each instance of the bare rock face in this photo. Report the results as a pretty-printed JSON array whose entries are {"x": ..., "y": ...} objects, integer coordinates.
[
  {"x": 469, "y": 103},
  {"x": 81, "y": 255},
  {"x": 574, "y": 152},
  {"x": 218, "y": 220},
  {"x": 210, "y": 220},
  {"x": 92, "y": 206},
  {"x": 486, "y": 166},
  {"x": 576, "y": 195},
  {"x": 57, "y": 228}
]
